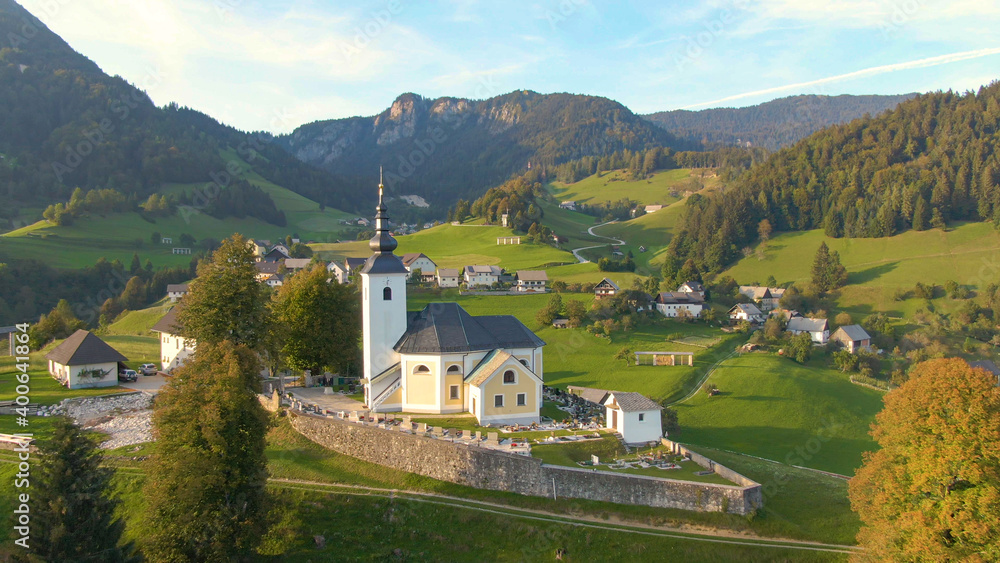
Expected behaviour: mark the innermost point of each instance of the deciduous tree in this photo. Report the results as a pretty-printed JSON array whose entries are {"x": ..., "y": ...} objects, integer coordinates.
[{"x": 930, "y": 493}]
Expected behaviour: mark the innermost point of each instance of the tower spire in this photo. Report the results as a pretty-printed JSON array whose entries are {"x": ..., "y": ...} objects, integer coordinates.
[{"x": 382, "y": 242}]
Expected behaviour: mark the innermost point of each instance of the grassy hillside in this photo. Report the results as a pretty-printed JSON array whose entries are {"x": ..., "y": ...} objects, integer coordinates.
[
  {"x": 774, "y": 408},
  {"x": 661, "y": 188},
  {"x": 452, "y": 246},
  {"x": 967, "y": 253},
  {"x": 653, "y": 230},
  {"x": 138, "y": 323}
]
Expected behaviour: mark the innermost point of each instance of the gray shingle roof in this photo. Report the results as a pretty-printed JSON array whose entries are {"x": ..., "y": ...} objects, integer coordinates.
[
  {"x": 632, "y": 402},
  {"x": 83, "y": 347},
  {"x": 607, "y": 283},
  {"x": 168, "y": 323},
  {"x": 855, "y": 332},
  {"x": 748, "y": 308},
  {"x": 805, "y": 324},
  {"x": 384, "y": 263},
  {"x": 447, "y": 328},
  {"x": 532, "y": 275},
  {"x": 590, "y": 394},
  {"x": 448, "y": 272},
  {"x": 675, "y": 297},
  {"x": 354, "y": 263},
  {"x": 987, "y": 365},
  {"x": 177, "y": 287},
  {"x": 412, "y": 257}
]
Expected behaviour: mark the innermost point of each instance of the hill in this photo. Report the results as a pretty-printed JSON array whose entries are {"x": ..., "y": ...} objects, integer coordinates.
[
  {"x": 67, "y": 124},
  {"x": 774, "y": 124},
  {"x": 931, "y": 160},
  {"x": 662, "y": 187},
  {"x": 451, "y": 148}
]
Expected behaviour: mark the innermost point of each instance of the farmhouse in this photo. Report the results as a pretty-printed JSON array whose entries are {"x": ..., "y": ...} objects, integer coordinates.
[
  {"x": 482, "y": 275},
  {"x": 174, "y": 348},
  {"x": 442, "y": 359},
  {"x": 679, "y": 304},
  {"x": 420, "y": 261},
  {"x": 337, "y": 271},
  {"x": 818, "y": 329},
  {"x": 276, "y": 254},
  {"x": 176, "y": 290},
  {"x": 296, "y": 264},
  {"x": 766, "y": 298},
  {"x": 693, "y": 287},
  {"x": 571, "y": 205},
  {"x": 652, "y": 208},
  {"x": 531, "y": 281},
  {"x": 853, "y": 338},
  {"x": 84, "y": 360},
  {"x": 266, "y": 270},
  {"x": 259, "y": 247},
  {"x": 746, "y": 312},
  {"x": 606, "y": 288},
  {"x": 447, "y": 277},
  {"x": 634, "y": 416}
]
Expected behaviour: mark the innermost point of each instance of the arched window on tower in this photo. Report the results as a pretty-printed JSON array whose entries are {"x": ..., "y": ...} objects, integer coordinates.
[{"x": 387, "y": 294}]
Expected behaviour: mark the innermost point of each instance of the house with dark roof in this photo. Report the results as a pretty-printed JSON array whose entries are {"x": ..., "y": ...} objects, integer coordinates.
[
  {"x": 679, "y": 304},
  {"x": 420, "y": 261},
  {"x": 441, "y": 359},
  {"x": 693, "y": 287},
  {"x": 531, "y": 281},
  {"x": 606, "y": 288},
  {"x": 766, "y": 298},
  {"x": 818, "y": 329},
  {"x": 175, "y": 349},
  {"x": 176, "y": 290},
  {"x": 746, "y": 312},
  {"x": 337, "y": 271},
  {"x": 83, "y": 360},
  {"x": 276, "y": 254},
  {"x": 852, "y": 338},
  {"x": 634, "y": 416}
]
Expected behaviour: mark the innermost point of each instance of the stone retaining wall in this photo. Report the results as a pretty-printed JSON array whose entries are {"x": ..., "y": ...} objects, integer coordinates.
[{"x": 490, "y": 469}]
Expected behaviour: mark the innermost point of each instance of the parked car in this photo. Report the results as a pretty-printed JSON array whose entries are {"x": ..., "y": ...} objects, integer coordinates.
[
  {"x": 127, "y": 375},
  {"x": 148, "y": 369}
]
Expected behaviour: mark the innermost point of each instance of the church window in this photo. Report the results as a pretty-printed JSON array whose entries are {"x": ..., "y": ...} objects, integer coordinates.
[
  {"x": 421, "y": 369},
  {"x": 387, "y": 294},
  {"x": 454, "y": 392},
  {"x": 522, "y": 399},
  {"x": 455, "y": 368},
  {"x": 642, "y": 417},
  {"x": 497, "y": 400},
  {"x": 508, "y": 376},
  {"x": 524, "y": 363}
]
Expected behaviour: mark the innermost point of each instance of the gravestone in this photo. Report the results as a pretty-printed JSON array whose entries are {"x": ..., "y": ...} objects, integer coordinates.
[
  {"x": 594, "y": 460},
  {"x": 492, "y": 438},
  {"x": 421, "y": 427}
]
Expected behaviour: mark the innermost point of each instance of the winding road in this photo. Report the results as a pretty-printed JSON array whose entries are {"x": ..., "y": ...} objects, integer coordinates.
[{"x": 576, "y": 251}]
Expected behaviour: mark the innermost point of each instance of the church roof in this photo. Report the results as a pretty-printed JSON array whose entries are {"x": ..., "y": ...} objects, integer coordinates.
[
  {"x": 447, "y": 328},
  {"x": 487, "y": 367}
]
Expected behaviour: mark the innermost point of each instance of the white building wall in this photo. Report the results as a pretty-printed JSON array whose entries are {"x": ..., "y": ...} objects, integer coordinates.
[
  {"x": 383, "y": 323},
  {"x": 174, "y": 351},
  {"x": 70, "y": 375},
  {"x": 633, "y": 430}
]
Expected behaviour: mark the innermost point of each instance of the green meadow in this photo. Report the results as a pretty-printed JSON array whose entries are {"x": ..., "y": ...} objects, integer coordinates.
[
  {"x": 805, "y": 415},
  {"x": 967, "y": 253},
  {"x": 662, "y": 188}
]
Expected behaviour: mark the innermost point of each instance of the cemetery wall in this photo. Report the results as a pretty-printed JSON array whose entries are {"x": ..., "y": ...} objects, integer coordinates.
[{"x": 484, "y": 468}]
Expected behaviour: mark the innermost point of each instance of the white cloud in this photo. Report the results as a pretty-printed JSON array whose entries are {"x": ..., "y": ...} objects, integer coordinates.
[{"x": 873, "y": 71}]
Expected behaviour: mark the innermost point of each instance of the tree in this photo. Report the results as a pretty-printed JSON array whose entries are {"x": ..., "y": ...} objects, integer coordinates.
[
  {"x": 827, "y": 271},
  {"x": 576, "y": 312},
  {"x": 764, "y": 230},
  {"x": 73, "y": 514},
  {"x": 547, "y": 314},
  {"x": 624, "y": 354},
  {"x": 225, "y": 301},
  {"x": 920, "y": 214},
  {"x": 319, "y": 322},
  {"x": 843, "y": 318},
  {"x": 300, "y": 250},
  {"x": 668, "y": 418},
  {"x": 155, "y": 237},
  {"x": 207, "y": 481},
  {"x": 559, "y": 286},
  {"x": 800, "y": 347},
  {"x": 930, "y": 492}
]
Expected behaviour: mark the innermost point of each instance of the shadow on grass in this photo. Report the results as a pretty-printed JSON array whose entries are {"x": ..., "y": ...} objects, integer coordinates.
[{"x": 871, "y": 274}]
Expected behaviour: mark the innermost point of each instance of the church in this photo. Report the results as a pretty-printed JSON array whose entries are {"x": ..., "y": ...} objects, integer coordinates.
[{"x": 442, "y": 359}]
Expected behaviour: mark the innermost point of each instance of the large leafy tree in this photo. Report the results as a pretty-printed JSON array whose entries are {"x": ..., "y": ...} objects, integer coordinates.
[
  {"x": 318, "y": 321},
  {"x": 207, "y": 497},
  {"x": 72, "y": 511},
  {"x": 932, "y": 491},
  {"x": 225, "y": 301},
  {"x": 827, "y": 271}
]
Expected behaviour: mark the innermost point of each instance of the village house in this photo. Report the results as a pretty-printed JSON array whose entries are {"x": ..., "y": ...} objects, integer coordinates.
[
  {"x": 679, "y": 304},
  {"x": 420, "y": 261},
  {"x": 606, "y": 288},
  {"x": 852, "y": 338},
  {"x": 447, "y": 277},
  {"x": 633, "y": 415},
  {"x": 276, "y": 254},
  {"x": 818, "y": 329},
  {"x": 265, "y": 270},
  {"x": 746, "y": 312},
  {"x": 442, "y": 359},
  {"x": 571, "y": 205},
  {"x": 766, "y": 298},
  {"x": 476, "y": 276},
  {"x": 693, "y": 287},
  {"x": 353, "y": 265},
  {"x": 175, "y": 349},
  {"x": 652, "y": 208},
  {"x": 259, "y": 247},
  {"x": 531, "y": 281},
  {"x": 83, "y": 360},
  {"x": 295, "y": 264},
  {"x": 176, "y": 290},
  {"x": 337, "y": 271}
]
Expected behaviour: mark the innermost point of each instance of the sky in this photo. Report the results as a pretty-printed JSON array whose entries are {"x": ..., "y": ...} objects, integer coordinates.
[{"x": 275, "y": 65}]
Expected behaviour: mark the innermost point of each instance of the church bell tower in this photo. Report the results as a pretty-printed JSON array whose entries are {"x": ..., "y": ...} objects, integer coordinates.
[{"x": 383, "y": 301}]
